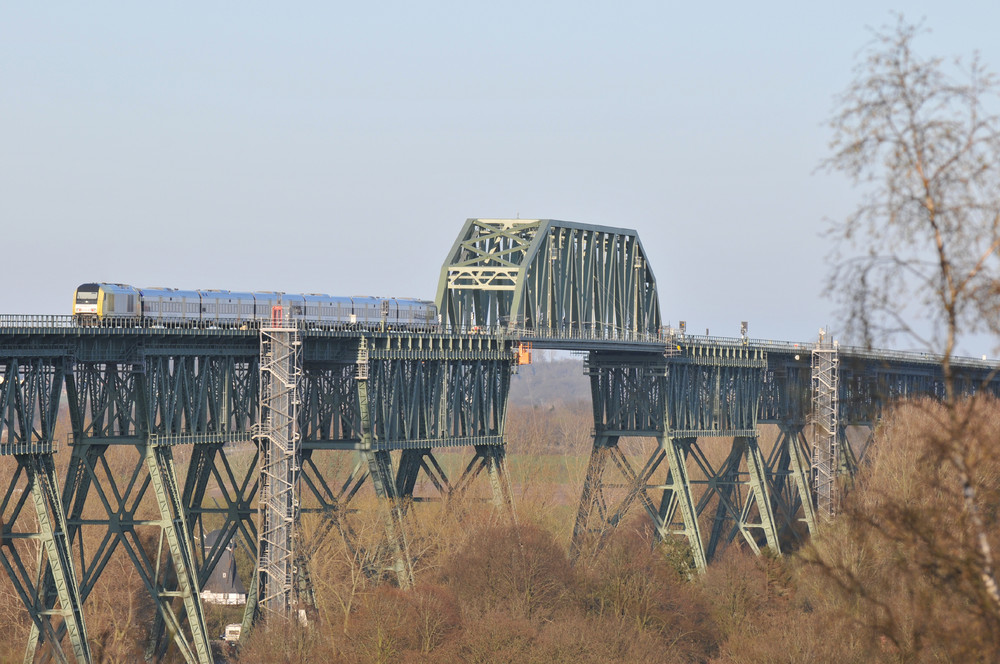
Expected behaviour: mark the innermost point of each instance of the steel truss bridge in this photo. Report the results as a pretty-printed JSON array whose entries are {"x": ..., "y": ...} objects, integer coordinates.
[{"x": 258, "y": 411}]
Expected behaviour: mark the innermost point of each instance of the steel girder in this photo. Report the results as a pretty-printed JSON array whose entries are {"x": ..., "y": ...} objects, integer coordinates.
[
  {"x": 30, "y": 390},
  {"x": 146, "y": 404},
  {"x": 786, "y": 392},
  {"x": 789, "y": 477},
  {"x": 418, "y": 392},
  {"x": 546, "y": 274},
  {"x": 628, "y": 393},
  {"x": 145, "y": 390},
  {"x": 868, "y": 384},
  {"x": 715, "y": 389},
  {"x": 867, "y": 388},
  {"x": 393, "y": 398},
  {"x": 124, "y": 395},
  {"x": 699, "y": 392}
]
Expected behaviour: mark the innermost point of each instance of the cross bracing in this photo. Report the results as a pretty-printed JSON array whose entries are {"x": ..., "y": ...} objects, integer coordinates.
[
  {"x": 544, "y": 274},
  {"x": 683, "y": 428}
]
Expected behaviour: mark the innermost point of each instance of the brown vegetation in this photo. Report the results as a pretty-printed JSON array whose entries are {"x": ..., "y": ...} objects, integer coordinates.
[{"x": 906, "y": 558}]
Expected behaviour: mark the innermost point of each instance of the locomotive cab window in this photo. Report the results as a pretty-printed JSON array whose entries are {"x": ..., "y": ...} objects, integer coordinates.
[{"x": 87, "y": 294}]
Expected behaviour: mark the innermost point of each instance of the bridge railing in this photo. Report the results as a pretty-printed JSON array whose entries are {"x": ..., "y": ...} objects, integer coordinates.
[
  {"x": 36, "y": 320},
  {"x": 860, "y": 352},
  {"x": 567, "y": 333},
  {"x": 32, "y": 447},
  {"x": 564, "y": 333}
]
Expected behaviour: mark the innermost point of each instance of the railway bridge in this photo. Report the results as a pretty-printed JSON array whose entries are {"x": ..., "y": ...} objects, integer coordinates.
[{"x": 257, "y": 411}]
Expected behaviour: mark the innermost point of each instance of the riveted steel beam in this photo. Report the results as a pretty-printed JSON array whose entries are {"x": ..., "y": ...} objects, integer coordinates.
[
  {"x": 547, "y": 274},
  {"x": 30, "y": 389}
]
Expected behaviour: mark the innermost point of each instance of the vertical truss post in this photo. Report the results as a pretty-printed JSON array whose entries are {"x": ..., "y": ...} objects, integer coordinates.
[
  {"x": 169, "y": 575},
  {"x": 826, "y": 425},
  {"x": 160, "y": 465},
  {"x": 207, "y": 461},
  {"x": 800, "y": 467},
  {"x": 280, "y": 375},
  {"x": 680, "y": 485},
  {"x": 740, "y": 494},
  {"x": 30, "y": 392},
  {"x": 725, "y": 484},
  {"x": 500, "y": 479},
  {"x": 55, "y": 580},
  {"x": 758, "y": 486},
  {"x": 495, "y": 459},
  {"x": 380, "y": 469},
  {"x": 592, "y": 497}
]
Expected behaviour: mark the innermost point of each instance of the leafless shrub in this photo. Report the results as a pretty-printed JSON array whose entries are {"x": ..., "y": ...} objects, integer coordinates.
[
  {"x": 517, "y": 569},
  {"x": 903, "y": 566}
]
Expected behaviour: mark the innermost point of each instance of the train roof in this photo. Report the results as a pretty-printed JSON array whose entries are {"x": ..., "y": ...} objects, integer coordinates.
[
  {"x": 168, "y": 292},
  {"x": 115, "y": 288},
  {"x": 216, "y": 293}
]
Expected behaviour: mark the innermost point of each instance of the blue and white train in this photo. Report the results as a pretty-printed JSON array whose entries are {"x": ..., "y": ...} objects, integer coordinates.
[{"x": 103, "y": 303}]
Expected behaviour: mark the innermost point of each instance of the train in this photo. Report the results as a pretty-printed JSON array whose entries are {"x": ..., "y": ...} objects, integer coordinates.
[{"x": 122, "y": 304}]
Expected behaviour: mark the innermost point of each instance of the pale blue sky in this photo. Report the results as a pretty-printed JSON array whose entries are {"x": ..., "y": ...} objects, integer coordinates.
[{"x": 339, "y": 147}]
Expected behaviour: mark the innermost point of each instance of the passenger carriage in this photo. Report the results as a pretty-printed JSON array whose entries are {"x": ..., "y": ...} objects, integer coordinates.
[{"x": 121, "y": 304}]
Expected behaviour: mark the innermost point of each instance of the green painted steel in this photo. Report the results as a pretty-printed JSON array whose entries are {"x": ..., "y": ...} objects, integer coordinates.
[
  {"x": 788, "y": 474},
  {"x": 53, "y": 591},
  {"x": 30, "y": 388},
  {"x": 679, "y": 484},
  {"x": 546, "y": 274},
  {"x": 159, "y": 461},
  {"x": 759, "y": 488},
  {"x": 380, "y": 471}
]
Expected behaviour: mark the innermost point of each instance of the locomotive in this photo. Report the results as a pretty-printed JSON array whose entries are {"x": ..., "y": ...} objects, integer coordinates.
[{"x": 121, "y": 304}]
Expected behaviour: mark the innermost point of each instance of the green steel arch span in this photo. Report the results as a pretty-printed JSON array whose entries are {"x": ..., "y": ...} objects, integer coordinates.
[{"x": 540, "y": 274}]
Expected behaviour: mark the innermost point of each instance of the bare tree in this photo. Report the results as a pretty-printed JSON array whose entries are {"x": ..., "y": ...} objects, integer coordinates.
[{"x": 920, "y": 138}]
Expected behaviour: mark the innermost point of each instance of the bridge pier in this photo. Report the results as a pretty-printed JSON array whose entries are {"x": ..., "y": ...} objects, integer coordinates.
[
  {"x": 740, "y": 491},
  {"x": 392, "y": 400},
  {"x": 31, "y": 384},
  {"x": 52, "y": 591},
  {"x": 790, "y": 480},
  {"x": 168, "y": 571},
  {"x": 678, "y": 399}
]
